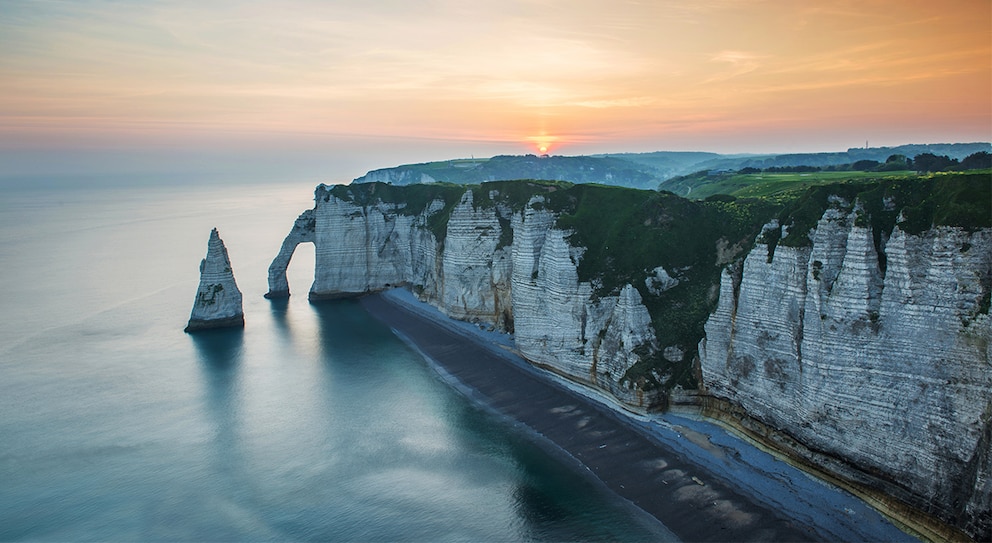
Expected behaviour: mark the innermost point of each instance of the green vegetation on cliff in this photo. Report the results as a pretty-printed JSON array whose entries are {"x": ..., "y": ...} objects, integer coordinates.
[
  {"x": 915, "y": 203},
  {"x": 577, "y": 169},
  {"x": 647, "y": 170},
  {"x": 409, "y": 199},
  {"x": 628, "y": 233},
  {"x": 702, "y": 185}
]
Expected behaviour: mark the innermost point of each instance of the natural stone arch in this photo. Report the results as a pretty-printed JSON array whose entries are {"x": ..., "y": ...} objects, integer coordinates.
[{"x": 302, "y": 232}]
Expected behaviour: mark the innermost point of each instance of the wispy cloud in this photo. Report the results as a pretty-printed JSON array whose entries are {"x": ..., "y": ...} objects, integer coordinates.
[
  {"x": 448, "y": 67},
  {"x": 739, "y": 62}
]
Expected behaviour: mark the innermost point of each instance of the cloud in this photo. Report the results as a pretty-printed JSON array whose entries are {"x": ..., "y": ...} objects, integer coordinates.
[
  {"x": 634, "y": 101},
  {"x": 741, "y": 62},
  {"x": 475, "y": 69}
]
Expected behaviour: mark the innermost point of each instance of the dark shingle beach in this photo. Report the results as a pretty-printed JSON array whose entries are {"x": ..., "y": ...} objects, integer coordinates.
[{"x": 682, "y": 495}]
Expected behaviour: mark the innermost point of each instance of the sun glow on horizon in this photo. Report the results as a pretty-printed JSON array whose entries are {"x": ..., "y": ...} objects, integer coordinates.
[{"x": 543, "y": 143}]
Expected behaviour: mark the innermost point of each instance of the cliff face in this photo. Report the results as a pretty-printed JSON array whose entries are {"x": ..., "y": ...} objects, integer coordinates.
[
  {"x": 509, "y": 269},
  {"x": 852, "y": 332},
  {"x": 888, "y": 372},
  {"x": 560, "y": 324},
  {"x": 218, "y": 300}
]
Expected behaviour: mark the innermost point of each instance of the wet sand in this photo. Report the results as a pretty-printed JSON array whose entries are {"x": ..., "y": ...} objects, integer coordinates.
[{"x": 680, "y": 493}]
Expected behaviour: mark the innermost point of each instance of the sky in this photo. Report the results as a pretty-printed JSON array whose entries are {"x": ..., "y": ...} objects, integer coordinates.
[{"x": 340, "y": 87}]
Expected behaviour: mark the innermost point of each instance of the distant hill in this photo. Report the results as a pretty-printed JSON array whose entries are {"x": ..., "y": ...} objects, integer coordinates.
[
  {"x": 667, "y": 164},
  {"x": 953, "y": 150},
  {"x": 576, "y": 169},
  {"x": 636, "y": 170}
]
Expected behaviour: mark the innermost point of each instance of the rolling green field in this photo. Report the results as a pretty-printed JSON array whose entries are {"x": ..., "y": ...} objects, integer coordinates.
[{"x": 764, "y": 185}]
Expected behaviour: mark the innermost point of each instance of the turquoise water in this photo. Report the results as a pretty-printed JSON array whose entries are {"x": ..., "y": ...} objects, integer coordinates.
[{"x": 313, "y": 423}]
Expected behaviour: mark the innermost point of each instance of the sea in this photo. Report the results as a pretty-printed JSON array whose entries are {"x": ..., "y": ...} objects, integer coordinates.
[{"x": 313, "y": 423}]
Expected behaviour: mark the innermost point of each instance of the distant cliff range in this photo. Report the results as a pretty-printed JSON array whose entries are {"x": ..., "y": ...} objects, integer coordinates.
[{"x": 638, "y": 170}]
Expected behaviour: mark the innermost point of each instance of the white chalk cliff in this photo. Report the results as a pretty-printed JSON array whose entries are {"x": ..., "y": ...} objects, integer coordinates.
[
  {"x": 528, "y": 286},
  {"x": 887, "y": 377},
  {"x": 870, "y": 354},
  {"x": 218, "y": 302}
]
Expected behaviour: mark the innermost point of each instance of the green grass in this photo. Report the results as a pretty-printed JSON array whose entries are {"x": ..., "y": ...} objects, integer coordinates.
[
  {"x": 962, "y": 199},
  {"x": 408, "y": 199},
  {"x": 629, "y": 232},
  {"x": 580, "y": 169},
  {"x": 763, "y": 185}
]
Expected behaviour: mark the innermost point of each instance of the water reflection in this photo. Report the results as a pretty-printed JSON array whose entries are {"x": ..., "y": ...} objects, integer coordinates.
[
  {"x": 343, "y": 322},
  {"x": 440, "y": 434},
  {"x": 219, "y": 349},
  {"x": 280, "y": 309},
  {"x": 220, "y": 353}
]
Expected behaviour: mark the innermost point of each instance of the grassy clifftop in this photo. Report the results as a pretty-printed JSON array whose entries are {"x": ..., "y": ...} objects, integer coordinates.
[
  {"x": 915, "y": 203},
  {"x": 628, "y": 233}
]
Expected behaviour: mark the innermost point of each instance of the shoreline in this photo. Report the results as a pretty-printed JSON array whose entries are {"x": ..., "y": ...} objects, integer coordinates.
[
  {"x": 692, "y": 475},
  {"x": 660, "y": 532}
]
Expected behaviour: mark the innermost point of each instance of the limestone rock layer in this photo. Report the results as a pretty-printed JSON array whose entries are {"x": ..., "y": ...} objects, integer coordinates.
[
  {"x": 888, "y": 372},
  {"x": 302, "y": 232},
  {"x": 506, "y": 269},
  {"x": 218, "y": 302},
  {"x": 869, "y": 350}
]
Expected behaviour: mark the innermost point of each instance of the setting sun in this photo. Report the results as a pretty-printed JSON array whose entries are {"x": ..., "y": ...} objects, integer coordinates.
[{"x": 543, "y": 142}]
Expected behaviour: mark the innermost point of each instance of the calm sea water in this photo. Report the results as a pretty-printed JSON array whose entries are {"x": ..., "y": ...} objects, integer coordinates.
[{"x": 313, "y": 423}]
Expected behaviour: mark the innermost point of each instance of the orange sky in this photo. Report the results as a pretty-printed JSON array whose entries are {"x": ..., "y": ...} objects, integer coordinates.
[{"x": 486, "y": 77}]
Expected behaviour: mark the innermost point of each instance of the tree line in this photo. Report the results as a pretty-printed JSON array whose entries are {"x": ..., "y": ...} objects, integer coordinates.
[{"x": 922, "y": 163}]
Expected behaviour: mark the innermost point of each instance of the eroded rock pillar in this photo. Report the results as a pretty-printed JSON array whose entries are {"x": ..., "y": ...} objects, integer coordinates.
[{"x": 218, "y": 301}]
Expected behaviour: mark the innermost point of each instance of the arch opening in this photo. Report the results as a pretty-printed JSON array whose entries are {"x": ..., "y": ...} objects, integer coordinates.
[{"x": 302, "y": 232}]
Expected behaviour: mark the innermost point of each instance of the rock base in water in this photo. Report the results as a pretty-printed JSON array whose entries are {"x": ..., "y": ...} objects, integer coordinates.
[{"x": 195, "y": 325}]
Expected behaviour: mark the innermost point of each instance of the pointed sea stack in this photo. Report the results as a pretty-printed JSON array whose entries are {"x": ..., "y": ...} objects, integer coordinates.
[{"x": 218, "y": 300}]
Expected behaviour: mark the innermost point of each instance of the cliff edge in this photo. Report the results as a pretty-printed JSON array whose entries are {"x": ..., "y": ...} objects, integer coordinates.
[
  {"x": 864, "y": 348},
  {"x": 586, "y": 277}
]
